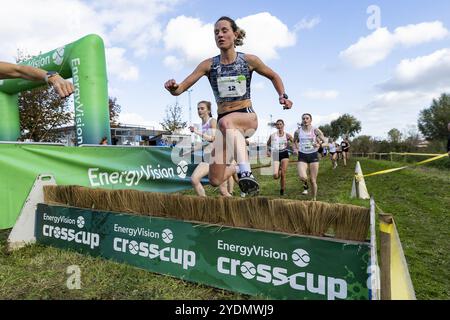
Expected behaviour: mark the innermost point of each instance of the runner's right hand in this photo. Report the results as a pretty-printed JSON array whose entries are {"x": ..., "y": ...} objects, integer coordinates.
[
  {"x": 63, "y": 87},
  {"x": 171, "y": 85}
]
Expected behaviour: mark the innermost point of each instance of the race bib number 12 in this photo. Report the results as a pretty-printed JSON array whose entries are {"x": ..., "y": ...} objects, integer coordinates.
[{"x": 232, "y": 87}]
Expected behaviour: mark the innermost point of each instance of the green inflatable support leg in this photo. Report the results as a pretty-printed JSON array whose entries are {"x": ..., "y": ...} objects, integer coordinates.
[{"x": 84, "y": 61}]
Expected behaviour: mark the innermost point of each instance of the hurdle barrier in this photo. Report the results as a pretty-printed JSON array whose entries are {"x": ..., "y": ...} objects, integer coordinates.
[{"x": 263, "y": 263}]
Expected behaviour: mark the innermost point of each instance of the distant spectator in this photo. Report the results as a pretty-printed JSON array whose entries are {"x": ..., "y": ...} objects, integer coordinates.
[{"x": 104, "y": 141}]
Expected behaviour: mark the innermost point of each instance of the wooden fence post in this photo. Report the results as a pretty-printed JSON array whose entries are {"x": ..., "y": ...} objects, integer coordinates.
[{"x": 385, "y": 258}]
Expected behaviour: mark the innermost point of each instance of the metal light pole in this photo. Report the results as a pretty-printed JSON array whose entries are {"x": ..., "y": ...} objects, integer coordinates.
[
  {"x": 190, "y": 115},
  {"x": 270, "y": 124},
  {"x": 190, "y": 107}
]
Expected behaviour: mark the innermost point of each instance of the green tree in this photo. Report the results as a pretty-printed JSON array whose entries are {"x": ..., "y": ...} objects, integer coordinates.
[
  {"x": 363, "y": 144},
  {"x": 173, "y": 120},
  {"x": 433, "y": 121},
  {"x": 327, "y": 131},
  {"x": 114, "y": 111},
  {"x": 41, "y": 111},
  {"x": 394, "y": 135},
  {"x": 345, "y": 125},
  {"x": 412, "y": 139}
]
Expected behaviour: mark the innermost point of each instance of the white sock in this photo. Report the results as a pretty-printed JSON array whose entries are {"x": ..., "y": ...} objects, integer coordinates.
[{"x": 244, "y": 167}]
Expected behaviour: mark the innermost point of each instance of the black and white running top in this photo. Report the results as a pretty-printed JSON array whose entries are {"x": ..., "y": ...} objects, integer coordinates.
[
  {"x": 230, "y": 82},
  {"x": 344, "y": 146}
]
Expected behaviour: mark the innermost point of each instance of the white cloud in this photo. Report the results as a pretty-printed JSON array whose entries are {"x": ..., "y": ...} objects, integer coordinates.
[
  {"x": 134, "y": 22},
  {"x": 119, "y": 66},
  {"x": 395, "y": 100},
  {"x": 173, "y": 63},
  {"x": 306, "y": 24},
  {"x": 379, "y": 44},
  {"x": 39, "y": 26},
  {"x": 137, "y": 119},
  {"x": 320, "y": 120},
  {"x": 369, "y": 50},
  {"x": 426, "y": 72},
  {"x": 415, "y": 83},
  {"x": 321, "y": 94},
  {"x": 389, "y": 109},
  {"x": 415, "y": 34},
  {"x": 114, "y": 92},
  {"x": 265, "y": 34},
  {"x": 259, "y": 85},
  {"x": 191, "y": 40}
]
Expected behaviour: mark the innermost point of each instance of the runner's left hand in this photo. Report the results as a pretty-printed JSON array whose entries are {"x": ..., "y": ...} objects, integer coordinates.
[{"x": 287, "y": 104}]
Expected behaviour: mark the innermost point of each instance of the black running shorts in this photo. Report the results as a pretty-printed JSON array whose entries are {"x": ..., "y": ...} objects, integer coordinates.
[
  {"x": 308, "y": 157},
  {"x": 280, "y": 155}
]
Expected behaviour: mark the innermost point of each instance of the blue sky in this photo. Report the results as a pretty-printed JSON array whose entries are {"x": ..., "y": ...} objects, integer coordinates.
[{"x": 330, "y": 61}]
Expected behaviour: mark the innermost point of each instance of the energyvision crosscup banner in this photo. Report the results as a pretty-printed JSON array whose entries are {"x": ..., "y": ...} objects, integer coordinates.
[
  {"x": 260, "y": 263},
  {"x": 141, "y": 168}
]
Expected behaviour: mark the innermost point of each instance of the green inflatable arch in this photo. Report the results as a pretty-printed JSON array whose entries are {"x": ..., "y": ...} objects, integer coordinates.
[{"x": 82, "y": 60}]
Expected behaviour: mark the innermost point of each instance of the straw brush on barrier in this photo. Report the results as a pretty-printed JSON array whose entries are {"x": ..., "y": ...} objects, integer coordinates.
[{"x": 289, "y": 216}]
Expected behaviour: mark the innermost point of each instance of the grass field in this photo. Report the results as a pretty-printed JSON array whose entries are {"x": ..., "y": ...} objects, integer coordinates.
[{"x": 418, "y": 198}]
